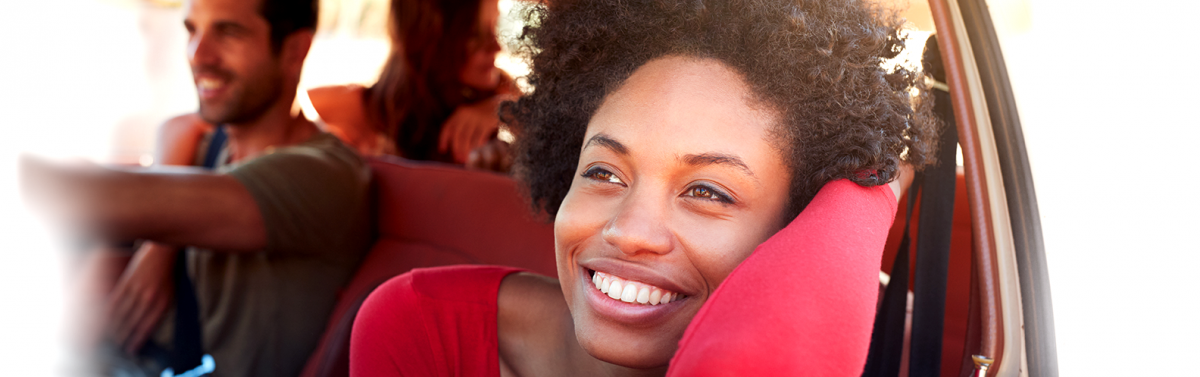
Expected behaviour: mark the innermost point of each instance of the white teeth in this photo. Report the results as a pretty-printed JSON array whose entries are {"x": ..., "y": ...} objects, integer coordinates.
[
  {"x": 629, "y": 294},
  {"x": 614, "y": 290},
  {"x": 656, "y": 297},
  {"x": 208, "y": 83},
  {"x": 631, "y": 291}
]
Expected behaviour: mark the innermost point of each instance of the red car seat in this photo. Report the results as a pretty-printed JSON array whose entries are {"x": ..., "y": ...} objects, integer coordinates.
[{"x": 432, "y": 214}]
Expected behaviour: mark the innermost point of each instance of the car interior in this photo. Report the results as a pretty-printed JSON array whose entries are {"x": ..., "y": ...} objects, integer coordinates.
[{"x": 980, "y": 300}]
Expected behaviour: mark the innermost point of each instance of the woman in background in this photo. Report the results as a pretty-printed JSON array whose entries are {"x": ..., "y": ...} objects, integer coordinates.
[{"x": 438, "y": 94}]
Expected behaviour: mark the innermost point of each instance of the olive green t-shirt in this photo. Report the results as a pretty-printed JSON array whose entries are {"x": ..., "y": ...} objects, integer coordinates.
[{"x": 263, "y": 313}]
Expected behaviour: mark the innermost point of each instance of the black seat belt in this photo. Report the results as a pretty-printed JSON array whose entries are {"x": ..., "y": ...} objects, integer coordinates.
[
  {"x": 188, "y": 349},
  {"x": 935, "y": 186},
  {"x": 887, "y": 337},
  {"x": 933, "y": 248}
]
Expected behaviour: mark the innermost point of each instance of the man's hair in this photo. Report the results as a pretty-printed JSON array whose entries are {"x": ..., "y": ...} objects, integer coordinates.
[
  {"x": 288, "y": 16},
  {"x": 817, "y": 63}
]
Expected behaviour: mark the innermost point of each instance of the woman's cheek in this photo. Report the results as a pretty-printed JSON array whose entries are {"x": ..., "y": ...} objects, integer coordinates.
[
  {"x": 586, "y": 208},
  {"x": 716, "y": 247},
  {"x": 579, "y": 217}
]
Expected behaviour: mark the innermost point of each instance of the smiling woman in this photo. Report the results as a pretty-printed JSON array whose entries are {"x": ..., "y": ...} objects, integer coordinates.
[
  {"x": 680, "y": 178},
  {"x": 668, "y": 140},
  {"x": 677, "y": 184}
]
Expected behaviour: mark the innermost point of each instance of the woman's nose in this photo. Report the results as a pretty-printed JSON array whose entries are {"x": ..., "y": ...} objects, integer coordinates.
[
  {"x": 493, "y": 44},
  {"x": 639, "y": 226}
]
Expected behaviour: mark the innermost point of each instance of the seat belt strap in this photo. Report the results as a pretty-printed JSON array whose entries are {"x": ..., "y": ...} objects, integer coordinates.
[
  {"x": 887, "y": 336},
  {"x": 934, "y": 227},
  {"x": 936, "y": 190},
  {"x": 188, "y": 349}
]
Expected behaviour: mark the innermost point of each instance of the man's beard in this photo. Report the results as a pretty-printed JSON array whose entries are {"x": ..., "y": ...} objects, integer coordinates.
[{"x": 246, "y": 101}]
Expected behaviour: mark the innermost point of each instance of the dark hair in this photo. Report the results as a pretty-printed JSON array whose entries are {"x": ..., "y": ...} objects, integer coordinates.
[
  {"x": 419, "y": 86},
  {"x": 287, "y": 17},
  {"x": 818, "y": 63}
]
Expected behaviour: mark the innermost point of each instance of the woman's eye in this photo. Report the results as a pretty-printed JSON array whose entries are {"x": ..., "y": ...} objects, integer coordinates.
[
  {"x": 602, "y": 175},
  {"x": 709, "y": 193}
]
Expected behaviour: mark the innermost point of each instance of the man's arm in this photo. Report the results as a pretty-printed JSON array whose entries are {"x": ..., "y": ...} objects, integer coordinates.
[
  {"x": 144, "y": 292},
  {"x": 177, "y": 206}
]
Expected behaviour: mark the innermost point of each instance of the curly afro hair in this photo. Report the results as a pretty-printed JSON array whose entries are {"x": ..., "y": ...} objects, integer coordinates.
[{"x": 818, "y": 63}]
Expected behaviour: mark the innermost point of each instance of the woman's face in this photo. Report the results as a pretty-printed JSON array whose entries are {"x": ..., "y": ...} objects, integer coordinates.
[
  {"x": 678, "y": 181},
  {"x": 479, "y": 70}
]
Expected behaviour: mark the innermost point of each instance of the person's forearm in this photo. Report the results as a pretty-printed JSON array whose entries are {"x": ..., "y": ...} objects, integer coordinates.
[
  {"x": 173, "y": 206},
  {"x": 181, "y": 209}
]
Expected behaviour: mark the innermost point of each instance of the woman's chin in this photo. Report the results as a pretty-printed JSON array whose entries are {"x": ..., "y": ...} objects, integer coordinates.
[
  {"x": 483, "y": 79},
  {"x": 650, "y": 354}
]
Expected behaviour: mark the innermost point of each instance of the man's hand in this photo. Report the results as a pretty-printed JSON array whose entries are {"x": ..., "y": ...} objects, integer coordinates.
[
  {"x": 469, "y": 127},
  {"x": 141, "y": 296}
]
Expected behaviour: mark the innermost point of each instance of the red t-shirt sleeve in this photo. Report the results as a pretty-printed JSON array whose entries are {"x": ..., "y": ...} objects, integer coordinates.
[
  {"x": 430, "y": 322},
  {"x": 804, "y": 302}
]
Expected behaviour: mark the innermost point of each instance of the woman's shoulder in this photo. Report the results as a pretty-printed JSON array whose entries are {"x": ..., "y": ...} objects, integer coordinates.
[
  {"x": 179, "y": 137},
  {"x": 464, "y": 283},
  {"x": 336, "y": 95},
  {"x": 342, "y": 109},
  {"x": 442, "y": 313},
  {"x": 338, "y": 103}
]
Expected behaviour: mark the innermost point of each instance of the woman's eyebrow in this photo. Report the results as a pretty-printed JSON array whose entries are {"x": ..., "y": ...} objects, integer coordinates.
[
  {"x": 605, "y": 141},
  {"x": 717, "y": 159}
]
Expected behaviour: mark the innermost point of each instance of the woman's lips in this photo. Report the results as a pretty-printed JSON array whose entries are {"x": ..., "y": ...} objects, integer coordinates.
[
  {"x": 631, "y": 291},
  {"x": 631, "y": 312}
]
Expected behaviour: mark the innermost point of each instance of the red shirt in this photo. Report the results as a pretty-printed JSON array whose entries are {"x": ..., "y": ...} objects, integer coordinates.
[
  {"x": 430, "y": 322},
  {"x": 802, "y": 304}
]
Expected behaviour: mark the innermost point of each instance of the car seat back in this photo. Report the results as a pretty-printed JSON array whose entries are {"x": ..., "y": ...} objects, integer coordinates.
[{"x": 433, "y": 214}]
